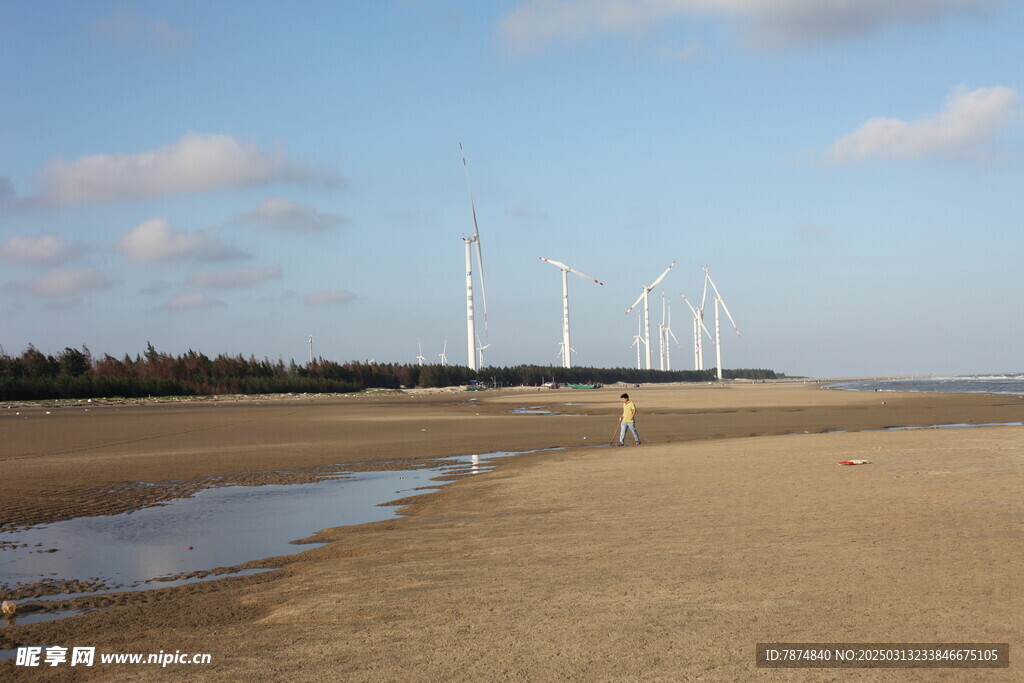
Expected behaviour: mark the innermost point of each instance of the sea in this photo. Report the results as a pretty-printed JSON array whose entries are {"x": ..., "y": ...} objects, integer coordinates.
[{"x": 1008, "y": 383}]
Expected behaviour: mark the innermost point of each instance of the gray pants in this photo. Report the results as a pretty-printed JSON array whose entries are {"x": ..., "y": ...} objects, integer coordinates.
[{"x": 623, "y": 426}]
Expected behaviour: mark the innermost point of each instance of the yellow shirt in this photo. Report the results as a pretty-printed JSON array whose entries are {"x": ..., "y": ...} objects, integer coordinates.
[{"x": 628, "y": 411}]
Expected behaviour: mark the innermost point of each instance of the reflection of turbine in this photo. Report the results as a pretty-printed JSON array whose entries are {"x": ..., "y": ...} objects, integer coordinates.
[
  {"x": 475, "y": 239},
  {"x": 647, "y": 316},
  {"x": 718, "y": 329},
  {"x": 566, "y": 346},
  {"x": 420, "y": 357},
  {"x": 476, "y": 464},
  {"x": 444, "y": 358}
]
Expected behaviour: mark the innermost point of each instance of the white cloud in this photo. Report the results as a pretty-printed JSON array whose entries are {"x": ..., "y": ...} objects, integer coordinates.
[
  {"x": 157, "y": 240},
  {"x": 278, "y": 213},
  {"x": 132, "y": 27},
  {"x": 197, "y": 162},
  {"x": 67, "y": 281},
  {"x": 329, "y": 298},
  {"x": 969, "y": 121},
  {"x": 192, "y": 300},
  {"x": 243, "y": 277},
  {"x": 534, "y": 24},
  {"x": 45, "y": 249}
]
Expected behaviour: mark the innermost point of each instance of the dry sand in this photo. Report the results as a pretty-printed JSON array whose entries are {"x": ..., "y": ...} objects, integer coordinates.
[{"x": 732, "y": 525}]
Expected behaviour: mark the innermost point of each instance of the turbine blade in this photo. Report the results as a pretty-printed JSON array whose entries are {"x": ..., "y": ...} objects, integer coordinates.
[
  {"x": 662, "y": 276},
  {"x": 569, "y": 269},
  {"x": 726, "y": 309},
  {"x": 692, "y": 309},
  {"x": 719, "y": 297},
  {"x": 707, "y": 279},
  {"x": 472, "y": 208},
  {"x": 583, "y": 275},
  {"x": 556, "y": 264},
  {"x": 704, "y": 297},
  {"x": 483, "y": 287},
  {"x": 635, "y": 303}
]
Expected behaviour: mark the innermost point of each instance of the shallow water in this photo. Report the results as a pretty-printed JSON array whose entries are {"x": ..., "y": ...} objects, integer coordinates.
[
  {"x": 540, "y": 410},
  {"x": 220, "y": 527},
  {"x": 1007, "y": 383},
  {"x": 37, "y": 617},
  {"x": 956, "y": 425}
]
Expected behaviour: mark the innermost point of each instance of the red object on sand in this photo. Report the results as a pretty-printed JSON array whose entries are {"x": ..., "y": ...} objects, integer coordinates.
[{"x": 853, "y": 462}]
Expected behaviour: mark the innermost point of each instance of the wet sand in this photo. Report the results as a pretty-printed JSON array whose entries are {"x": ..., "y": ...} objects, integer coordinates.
[{"x": 730, "y": 526}]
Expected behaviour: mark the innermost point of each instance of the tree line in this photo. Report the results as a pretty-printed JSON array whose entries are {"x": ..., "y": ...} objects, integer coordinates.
[{"x": 76, "y": 373}]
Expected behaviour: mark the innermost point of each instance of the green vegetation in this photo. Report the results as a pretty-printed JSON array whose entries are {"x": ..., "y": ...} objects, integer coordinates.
[{"x": 76, "y": 373}]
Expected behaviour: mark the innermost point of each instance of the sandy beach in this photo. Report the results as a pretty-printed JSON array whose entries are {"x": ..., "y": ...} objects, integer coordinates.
[{"x": 732, "y": 525}]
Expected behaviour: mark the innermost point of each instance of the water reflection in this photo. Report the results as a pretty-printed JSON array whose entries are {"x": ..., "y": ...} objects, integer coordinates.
[{"x": 220, "y": 527}]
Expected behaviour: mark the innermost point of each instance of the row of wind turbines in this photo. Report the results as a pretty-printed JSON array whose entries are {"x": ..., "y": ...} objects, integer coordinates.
[
  {"x": 475, "y": 348},
  {"x": 642, "y": 338}
]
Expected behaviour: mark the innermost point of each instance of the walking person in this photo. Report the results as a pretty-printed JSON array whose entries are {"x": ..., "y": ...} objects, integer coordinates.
[{"x": 627, "y": 421}]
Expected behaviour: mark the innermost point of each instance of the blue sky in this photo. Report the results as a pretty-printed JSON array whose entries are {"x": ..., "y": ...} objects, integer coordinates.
[{"x": 233, "y": 177}]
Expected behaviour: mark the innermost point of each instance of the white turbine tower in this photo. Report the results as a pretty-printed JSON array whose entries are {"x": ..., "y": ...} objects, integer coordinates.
[
  {"x": 310, "y": 349},
  {"x": 718, "y": 329},
  {"x": 475, "y": 239},
  {"x": 698, "y": 325},
  {"x": 647, "y": 315},
  {"x": 420, "y": 357},
  {"x": 442, "y": 356},
  {"x": 567, "y": 349}
]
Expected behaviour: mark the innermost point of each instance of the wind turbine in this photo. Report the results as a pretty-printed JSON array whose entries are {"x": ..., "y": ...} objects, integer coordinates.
[
  {"x": 310, "y": 349},
  {"x": 661, "y": 335},
  {"x": 420, "y": 357},
  {"x": 666, "y": 332},
  {"x": 444, "y": 358},
  {"x": 566, "y": 347},
  {"x": 718, "y": 330},
  {"x": 647, "y": 316},
  {"x": 698, "y": 325},
  {"x": 480, "y": 352},
  {"x": 561, "y": 352},
  {"x": 475, "y": 239}
]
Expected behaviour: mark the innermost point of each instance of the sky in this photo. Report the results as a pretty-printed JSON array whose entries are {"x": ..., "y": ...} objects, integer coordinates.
[{"x": 234, "y": 177}]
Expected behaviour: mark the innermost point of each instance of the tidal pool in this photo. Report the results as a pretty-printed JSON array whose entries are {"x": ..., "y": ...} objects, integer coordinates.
[{"x": 218, "y": 527}]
